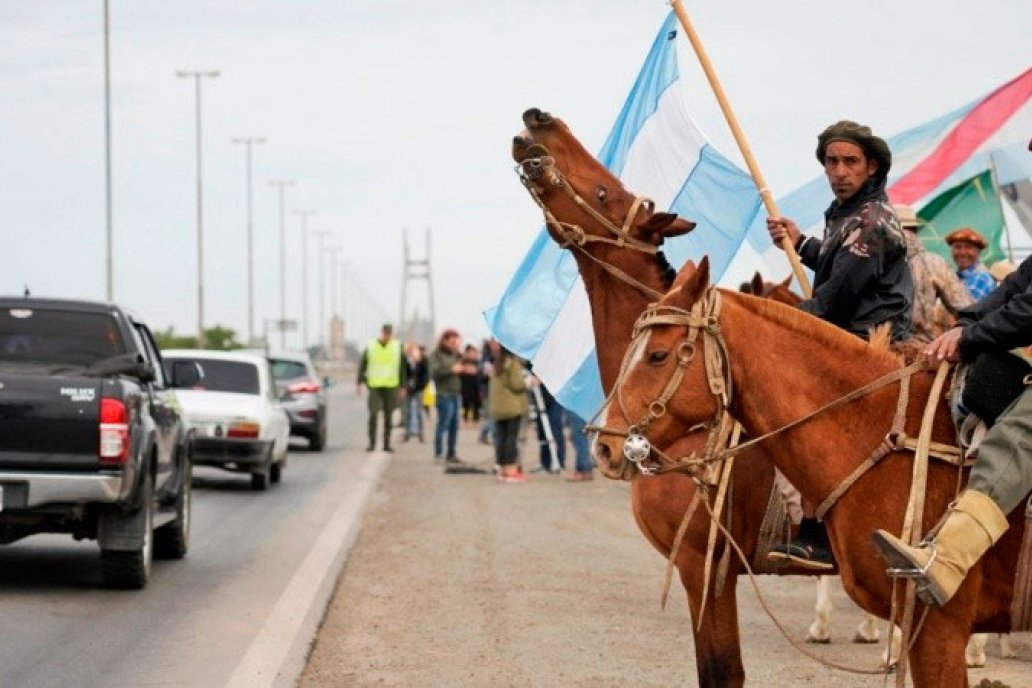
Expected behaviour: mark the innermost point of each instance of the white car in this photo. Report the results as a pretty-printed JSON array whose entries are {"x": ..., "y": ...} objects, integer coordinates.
[{"x": 229, "y": 399}]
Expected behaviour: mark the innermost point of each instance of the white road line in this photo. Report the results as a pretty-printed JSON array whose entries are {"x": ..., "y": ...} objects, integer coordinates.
[{"x": 268, "y": 651}]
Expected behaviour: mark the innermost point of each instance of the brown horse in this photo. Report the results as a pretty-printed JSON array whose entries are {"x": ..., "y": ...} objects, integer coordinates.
[
  {"x": 771, "y": 348},
  {"x": 548, "y": 155}
]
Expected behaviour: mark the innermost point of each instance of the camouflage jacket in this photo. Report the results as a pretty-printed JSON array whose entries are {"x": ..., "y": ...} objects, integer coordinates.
[
  {"x": 861, "y": 275},
  {"x": 933, "y": 279}
]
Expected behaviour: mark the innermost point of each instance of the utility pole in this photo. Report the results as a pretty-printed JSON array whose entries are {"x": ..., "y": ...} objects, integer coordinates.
[
  {"x": 333, "y": 252},
  {"x": 249, "y": 142},
  {"x": 304, "y": 215},
  {"x": 321, "y": 236},
  {"x": 110, "y": 270},
  {"x": 197, "y": 76},
  {"x": 281, "y": 185}
]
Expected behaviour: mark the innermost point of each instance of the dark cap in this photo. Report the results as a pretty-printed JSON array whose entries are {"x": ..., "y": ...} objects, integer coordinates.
[
  {"x": 851, "y": 132},
  {"x": 387, "y": 327}
]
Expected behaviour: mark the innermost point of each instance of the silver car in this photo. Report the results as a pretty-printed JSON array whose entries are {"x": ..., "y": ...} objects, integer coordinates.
[{"x": 302, "y": 394}]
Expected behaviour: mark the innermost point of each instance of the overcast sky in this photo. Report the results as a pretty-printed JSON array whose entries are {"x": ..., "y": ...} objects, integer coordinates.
[{"x": 397, "y": 114}]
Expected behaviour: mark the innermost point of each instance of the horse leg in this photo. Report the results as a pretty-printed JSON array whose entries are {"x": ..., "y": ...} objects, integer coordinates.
[
  {"x": 867, "y": 632},
  {"x": 820, "y": 629},
  {"x": 1007, "y": 650},
  {"x": 974, "y": 653},
  {"x": 937, "y": 657},
  {"x": 718, "y": 648}
]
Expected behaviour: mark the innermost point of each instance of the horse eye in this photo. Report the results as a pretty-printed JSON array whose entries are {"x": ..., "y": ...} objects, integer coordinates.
[
  {"x": 601, "y": 194},
  {"x": 657, "y": 357}
]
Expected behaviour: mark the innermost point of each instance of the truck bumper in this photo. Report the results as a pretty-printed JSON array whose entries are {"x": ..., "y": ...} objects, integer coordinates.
[{"x": 27, "y": 490}]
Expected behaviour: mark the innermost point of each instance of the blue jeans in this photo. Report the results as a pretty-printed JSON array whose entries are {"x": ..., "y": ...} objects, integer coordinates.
[
  {"x": 584, "y": 462},
  {"x": 414, "y": 415},
  {"x": 447, "y": 422},
  {"x": 553, "y": 415}
]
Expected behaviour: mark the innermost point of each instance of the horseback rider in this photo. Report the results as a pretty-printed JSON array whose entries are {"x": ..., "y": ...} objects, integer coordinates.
[
  {"x": 1002, "y": 475},
  {"x": 861, "y": 275}
]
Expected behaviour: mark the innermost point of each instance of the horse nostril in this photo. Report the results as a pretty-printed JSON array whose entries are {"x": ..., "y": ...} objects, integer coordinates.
[{"x": 602, "y": 452}]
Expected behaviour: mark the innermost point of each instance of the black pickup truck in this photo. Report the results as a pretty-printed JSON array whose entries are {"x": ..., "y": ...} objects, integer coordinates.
[{"x": 91, "y": 441}]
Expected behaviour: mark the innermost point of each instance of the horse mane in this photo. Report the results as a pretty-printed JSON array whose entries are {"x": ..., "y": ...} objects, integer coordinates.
[
  {"x": 667, "y": 270},
  {"x": 822, "y": 332}
]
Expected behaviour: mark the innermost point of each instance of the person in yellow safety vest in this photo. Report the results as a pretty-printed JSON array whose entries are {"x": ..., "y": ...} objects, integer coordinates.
[{"x": 383, "y": 371}]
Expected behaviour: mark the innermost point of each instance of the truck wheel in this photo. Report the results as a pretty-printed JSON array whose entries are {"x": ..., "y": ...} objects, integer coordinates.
[
  {"x": 130, "y": 570},
  {"x": 276, "y": 472},
  {"x": 172, "y": 539}
]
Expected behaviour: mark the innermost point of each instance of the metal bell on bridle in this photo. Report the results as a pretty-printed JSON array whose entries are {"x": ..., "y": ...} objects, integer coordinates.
[{"x": 637, "y": 449}]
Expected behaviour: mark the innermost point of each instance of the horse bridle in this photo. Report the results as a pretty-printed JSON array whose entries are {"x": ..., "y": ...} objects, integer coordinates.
[
  {"x": 543, "y": 169},
  {"x": 702, "y": 320}
]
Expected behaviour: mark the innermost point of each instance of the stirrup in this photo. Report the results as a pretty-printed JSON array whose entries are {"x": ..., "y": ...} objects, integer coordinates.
[{"x": 915, "y": 571}]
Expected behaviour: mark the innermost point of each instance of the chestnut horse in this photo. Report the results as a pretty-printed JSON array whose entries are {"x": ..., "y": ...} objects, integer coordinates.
[
  {"x": 766, "y": 348},
  {"x": 547, "y": 154}
]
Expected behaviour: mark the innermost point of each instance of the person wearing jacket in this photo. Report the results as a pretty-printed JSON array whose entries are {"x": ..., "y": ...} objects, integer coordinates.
[
  {"x": 507, "y": 405},
  {"x": 445, "y": 365},
  {"x": 415, "y": 384},
  {"x": 382, "y": 370},
  {"x": 1002, "y": 475},
  {"x": 861, "y": 275}
]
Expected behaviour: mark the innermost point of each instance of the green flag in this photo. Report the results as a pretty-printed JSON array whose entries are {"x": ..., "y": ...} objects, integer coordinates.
[{"x": 973, "y": 203}]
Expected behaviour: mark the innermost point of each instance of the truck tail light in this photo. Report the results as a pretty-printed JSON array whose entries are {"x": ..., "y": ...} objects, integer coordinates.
[
  {"x": 243, "y": 429},
  {"x": 114, "y": 432},
  {"x": 304, "y": 388}
]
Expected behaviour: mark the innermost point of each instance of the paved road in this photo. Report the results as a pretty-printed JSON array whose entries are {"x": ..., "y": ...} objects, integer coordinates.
[
  {"x": 232, "y": 612},
  {"x": 457, "y": 580}
]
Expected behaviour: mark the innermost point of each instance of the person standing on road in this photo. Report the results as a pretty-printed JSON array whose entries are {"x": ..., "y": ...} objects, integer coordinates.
[
  {"x": 417, "y": 379},
  {"x": 507, "y": 405},
  {"x": 445, "y": 366},
  {"x": 861, "y": 275},
  {"x": 383, "y": 371}
]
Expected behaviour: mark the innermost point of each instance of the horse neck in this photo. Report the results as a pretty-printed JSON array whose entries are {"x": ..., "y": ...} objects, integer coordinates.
[
  {"x": 616, "y": 305},
  {"x": 784, "y": 366}
]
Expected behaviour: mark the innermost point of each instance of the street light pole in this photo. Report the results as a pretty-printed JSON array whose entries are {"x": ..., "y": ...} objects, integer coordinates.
[
  {"x": 333, "y": 252},
  {"x": 281, "y": 185},
  {"x": 249, "y": 143},
  {"x": 304, "y": 215},
  {"x": 197, "y": 76},
  {"x": 110, "y": 276},
  {"x": 321, "y": 236}
]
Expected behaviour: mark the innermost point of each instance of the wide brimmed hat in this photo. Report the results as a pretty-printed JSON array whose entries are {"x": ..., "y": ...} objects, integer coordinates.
[
  {"x": 851, "y": 132},
  {"x": 908, "y": 219},
  {"x": 967, "y": 234}
]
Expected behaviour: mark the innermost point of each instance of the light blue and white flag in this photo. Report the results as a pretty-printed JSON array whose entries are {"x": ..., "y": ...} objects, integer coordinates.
[{"x": 657, "y": 150}]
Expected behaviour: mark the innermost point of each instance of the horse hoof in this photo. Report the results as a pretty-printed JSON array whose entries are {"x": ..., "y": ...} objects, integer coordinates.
[
  {"x": 813, "y": 640},
  {"x": 864, "y": 640}
]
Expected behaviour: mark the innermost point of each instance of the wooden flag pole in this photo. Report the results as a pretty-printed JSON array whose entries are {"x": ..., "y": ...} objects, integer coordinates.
[{"x": 743, "y": 144}]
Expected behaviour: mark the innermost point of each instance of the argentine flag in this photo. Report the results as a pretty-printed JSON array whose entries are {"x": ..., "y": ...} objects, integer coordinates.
[{"x": 656, "y": 149}]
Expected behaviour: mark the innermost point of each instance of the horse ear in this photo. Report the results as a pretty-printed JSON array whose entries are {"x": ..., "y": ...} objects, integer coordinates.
[
  {"x": 787, "y": 282},
  {"x": 660, "y": 226},
  {"x": 697, "y": 282},
  {"x": 757, "y": 284},
  {"x": 683, "y": 274}
]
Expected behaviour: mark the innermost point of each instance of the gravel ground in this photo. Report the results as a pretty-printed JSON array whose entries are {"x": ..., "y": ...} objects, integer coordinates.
[{"x": 457, "y": 580}]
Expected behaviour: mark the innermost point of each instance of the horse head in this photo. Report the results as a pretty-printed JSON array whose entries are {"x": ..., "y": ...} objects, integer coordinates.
[
  {"x": 583, "y": 202},
  {"x": 674, "y": 377}
]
